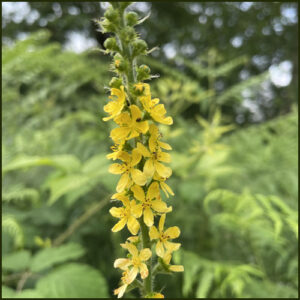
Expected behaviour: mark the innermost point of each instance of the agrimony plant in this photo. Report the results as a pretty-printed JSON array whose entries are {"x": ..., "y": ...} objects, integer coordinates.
[{"x": 139, "y": 149}]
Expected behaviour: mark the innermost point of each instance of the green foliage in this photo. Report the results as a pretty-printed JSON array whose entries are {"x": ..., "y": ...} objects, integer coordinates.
[
  {"x": 236, "y": 189},
  {"x": 73, "y": 280},
  {"x": 48, "y": 257}
]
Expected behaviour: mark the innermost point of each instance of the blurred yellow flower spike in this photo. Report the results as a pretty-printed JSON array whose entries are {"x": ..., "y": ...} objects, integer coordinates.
[{"x": 140, "y": 158}]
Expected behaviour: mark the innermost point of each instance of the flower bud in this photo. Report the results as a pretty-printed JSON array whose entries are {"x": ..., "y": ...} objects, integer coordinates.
[
  {"x": 131, "y": 18},
  {"x": 111, "y": 14},
  {"x": 143, "y": 73},
  {"x": 115, "y": 82},
  {"x": 127, "y": 34},
  {"x": 139, "y": 47},
  {"x": 120, "y": 63},
  {"x": 107, "y": 26},
  {"x": 111, "y": 44}
]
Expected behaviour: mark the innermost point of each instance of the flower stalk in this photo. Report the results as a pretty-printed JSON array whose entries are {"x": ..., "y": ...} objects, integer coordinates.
[{"x": 141, "y": 156}]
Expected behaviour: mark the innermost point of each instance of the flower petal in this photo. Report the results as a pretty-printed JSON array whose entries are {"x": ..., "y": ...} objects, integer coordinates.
[
  {"x": 161, "y": 222},
  {"x": 138, "y": 193},
  {"x": 173, "y": 232},
  {"x": 164, "y": 145},
  {"x": 161, "y": 206},
  {"x": 131, "y": 248},
  {"x": 135, "y": 157},
  {"x": 167, "y": 190},
  {"x": 159, "y": 249},
  {"x": 164, "y": 157},
  {"x": 153, "y": 233},
  {"x": 153, "y": 191},
  {"x": 142, "y": 126},
  {"x": 116, "y": 169},
  {"x": 149, "y": 168},
  {"x": 148, "y": 217},
  {"x": 144, "y": 270},
  {"x": 120, "y": 225},
  {"x": 133, "y": 225},
  {"x": 117, "y": 212},
  {"x": 176, "y": 268},
  {"x": 143, "y": 150},
  {"x": 122, "y": 263},
  {"x": 138, "y": 177},
  {"x": 145, "y": 254},
  {"x": 137, "y": 210},
  {"x": 122, "y": 183},
  {"x": 119, "y": 133},
  {"x": 171, "y": 247},
  {"x": 162, "y": 170},
  {"x": 121, "y": 290},
  {"x": 135, "y": 112},
  {"x": 132, "y": 274}
]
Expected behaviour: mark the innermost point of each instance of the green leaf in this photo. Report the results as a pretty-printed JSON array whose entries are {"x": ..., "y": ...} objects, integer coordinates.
[
  {"x": 73, "y": 281},
  {"x": 16, "y": 261},
  {"x": 7, "y": 292},
  {"x": 29, "y": 293},
  {"x": 67, "y": 163},
  {"x": 204, "y": 284},
  {"x": 48, "y": 257}
]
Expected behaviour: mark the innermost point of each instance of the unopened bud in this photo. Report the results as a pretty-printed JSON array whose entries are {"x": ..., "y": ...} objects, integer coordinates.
[
  {"x": 111, "y": 44},
  {"x": 115, "y": 83},
  {"x": 139, "y": 47},
  {"x": 143, "y": 73},
  {"x": 132, "y": 18}
]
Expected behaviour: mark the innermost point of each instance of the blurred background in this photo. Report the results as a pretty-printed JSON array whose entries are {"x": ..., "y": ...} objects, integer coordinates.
[{"x": 228, "y": 77}]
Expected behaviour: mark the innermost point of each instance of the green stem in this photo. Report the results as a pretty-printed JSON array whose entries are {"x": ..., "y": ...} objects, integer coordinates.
[{"x": 146, "y": 244}]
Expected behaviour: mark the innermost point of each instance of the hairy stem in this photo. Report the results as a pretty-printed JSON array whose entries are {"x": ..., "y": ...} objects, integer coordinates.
[{"x": 146, "y": 244}]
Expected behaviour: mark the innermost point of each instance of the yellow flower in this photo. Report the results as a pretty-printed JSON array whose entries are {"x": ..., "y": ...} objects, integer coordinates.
[
  {"x": 125, "y": 280},
  {"x": 166, "y": 189},
  {"x": 156, "y": 111},
  {"x": 114, "y": 107},
  {"x": 126, "y": 216},
  {"x": 128, "y": 170},
  {"x": 155, "y": 295},
  {"x": 135, "y": 264},
  {"x": 164, "y": 237},
  {"x": 153, "y": 162},
  {"x": 150, "y": 201},
  {"x": 117, "y": 150},
  {"x": 155, "y": 136},
  {"x": 167, "y": 258},
  {"x": 130, "y": 126}
]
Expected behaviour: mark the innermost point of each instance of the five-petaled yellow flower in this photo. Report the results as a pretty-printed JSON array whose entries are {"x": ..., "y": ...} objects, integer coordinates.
[
  {"x": 130, "y": 126},
  {"x": 150, "y": 201},
  {"x": 126, "y": 281},
  {"x": 167, "y": 258},
  {"x": 129, "y": 173},
  {"x": 163, "y": 237},
  {"x": 114, "y": 107},
  {"x": 126, "y": 215},
  {"x": 136, "y": 263},
  {"x": 156, "y": 111}
]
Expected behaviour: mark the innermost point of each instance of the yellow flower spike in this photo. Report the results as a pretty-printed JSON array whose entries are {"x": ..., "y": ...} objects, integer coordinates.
[
  {"x": 126, "y": 217},
  {"x": 127, "y": 170},
  {"x": 163, "y": 237},
  {"x": 135, "y": 264},
  {"x": 130, "y": 126},
  {"x": 114, "y": 107},
  {"x": 149, "y": 202}
]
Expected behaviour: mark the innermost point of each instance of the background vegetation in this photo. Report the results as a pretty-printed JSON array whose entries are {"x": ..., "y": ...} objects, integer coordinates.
[{"x": 234, "y": 139}]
